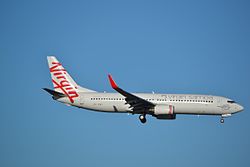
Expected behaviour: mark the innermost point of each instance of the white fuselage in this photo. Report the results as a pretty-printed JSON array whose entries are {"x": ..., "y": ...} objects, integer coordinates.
[
  {"x": 183, "y": 103},
  {"x": 161, "y": 106}
]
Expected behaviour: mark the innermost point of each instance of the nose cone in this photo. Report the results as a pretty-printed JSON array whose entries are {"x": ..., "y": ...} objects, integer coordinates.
[{"x": 239, "y": 108}]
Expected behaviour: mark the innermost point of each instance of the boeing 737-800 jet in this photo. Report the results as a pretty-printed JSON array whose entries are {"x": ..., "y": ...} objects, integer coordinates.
[{"x": 161, "y": 106}]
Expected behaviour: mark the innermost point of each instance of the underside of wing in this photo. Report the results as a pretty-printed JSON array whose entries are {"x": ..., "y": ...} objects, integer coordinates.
[{"x": 137, "y": 104}]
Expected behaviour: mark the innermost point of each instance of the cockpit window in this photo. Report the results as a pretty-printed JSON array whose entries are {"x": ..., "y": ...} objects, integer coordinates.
[{"x": 231, "y": 101}]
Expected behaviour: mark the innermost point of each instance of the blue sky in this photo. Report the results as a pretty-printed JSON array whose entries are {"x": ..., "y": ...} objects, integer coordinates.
[{"x": 162, "y": 46}]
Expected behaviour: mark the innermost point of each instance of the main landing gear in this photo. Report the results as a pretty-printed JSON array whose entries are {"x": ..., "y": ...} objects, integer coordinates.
[{"x": 142, "y": 118}]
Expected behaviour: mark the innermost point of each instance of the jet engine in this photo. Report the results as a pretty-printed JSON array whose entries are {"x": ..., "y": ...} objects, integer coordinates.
[{"x": 164, "y": 112}]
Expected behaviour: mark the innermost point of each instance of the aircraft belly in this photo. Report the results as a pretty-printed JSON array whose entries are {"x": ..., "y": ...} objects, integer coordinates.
[{"x": 106, "y": 107}]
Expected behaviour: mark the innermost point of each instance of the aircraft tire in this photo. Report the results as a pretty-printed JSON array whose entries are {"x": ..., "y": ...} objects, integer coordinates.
[
  {"x": 222, "y": 120},
  {"x": 143, "y": 119}
]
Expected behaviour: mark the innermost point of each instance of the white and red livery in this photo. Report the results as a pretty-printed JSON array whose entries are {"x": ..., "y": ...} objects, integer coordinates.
[{"x": 161, "y": 106}]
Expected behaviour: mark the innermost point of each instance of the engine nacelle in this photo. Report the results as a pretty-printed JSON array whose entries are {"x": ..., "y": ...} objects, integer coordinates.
[{"x": 164, "y": 112}]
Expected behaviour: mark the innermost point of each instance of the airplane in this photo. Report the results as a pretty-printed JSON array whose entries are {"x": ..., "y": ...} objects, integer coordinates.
[{"x": 161, "y": 106}]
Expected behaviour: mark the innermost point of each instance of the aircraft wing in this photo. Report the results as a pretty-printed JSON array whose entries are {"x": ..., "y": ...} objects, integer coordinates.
[{"x": 135, "y": 102}]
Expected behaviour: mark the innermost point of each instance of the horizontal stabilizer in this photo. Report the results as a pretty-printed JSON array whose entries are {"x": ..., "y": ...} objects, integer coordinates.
[{"x": 55, "y": 94}]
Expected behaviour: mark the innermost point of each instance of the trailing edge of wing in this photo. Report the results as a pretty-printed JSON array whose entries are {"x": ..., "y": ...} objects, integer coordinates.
[{"x": 134, "y": 101}]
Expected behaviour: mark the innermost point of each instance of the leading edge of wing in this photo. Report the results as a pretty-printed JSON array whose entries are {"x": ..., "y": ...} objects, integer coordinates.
[{"x": 133, "y": 100}]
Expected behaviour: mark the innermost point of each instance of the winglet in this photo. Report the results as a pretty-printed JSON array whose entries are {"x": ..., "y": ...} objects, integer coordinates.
[{"x": 112, "y": 82}]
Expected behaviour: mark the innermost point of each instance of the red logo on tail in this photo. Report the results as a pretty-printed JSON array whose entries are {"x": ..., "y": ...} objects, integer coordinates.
[{"x": 59, "y": 72}]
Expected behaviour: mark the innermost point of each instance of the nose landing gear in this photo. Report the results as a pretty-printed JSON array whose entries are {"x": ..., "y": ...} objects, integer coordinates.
[
  {"x": 222, "y": 120},
  {"x": 142, "y": 118},
  {"x": 224, "y": 116}
]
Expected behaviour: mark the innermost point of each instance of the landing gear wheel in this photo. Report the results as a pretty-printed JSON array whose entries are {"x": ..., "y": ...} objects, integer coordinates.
[
  {"x": 222, "y": 120},
  {"x": 143, "y": 119}
]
